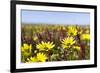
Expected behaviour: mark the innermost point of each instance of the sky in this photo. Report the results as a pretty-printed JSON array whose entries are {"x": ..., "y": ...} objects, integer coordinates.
[{"x": 53, "y": 17}]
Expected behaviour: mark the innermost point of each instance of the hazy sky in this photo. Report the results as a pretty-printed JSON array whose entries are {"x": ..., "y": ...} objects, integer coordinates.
[{"x": 50, "y": 17}]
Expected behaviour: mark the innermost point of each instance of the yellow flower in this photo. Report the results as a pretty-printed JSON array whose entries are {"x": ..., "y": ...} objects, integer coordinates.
[
  {"x": 63, "y": 28},
  {"x": 26, "y": 47},
  {"x": 35, "y": 51},
  {"x": 87, "y": 31},
  {"x": 35, "y": 38},
  {"x": 49, "y": 45},
  {"x": 60, "y": 28},
  {"x": 45, "y": 46},
  {"x": 77, "y": 48},
  {"x": 32, "y": 59},
  {"x": 72, "y": 31},
  {"x": 41, "y": 57},
  {"x": 85, "y": 37},
  {"x": 67, "y": 42}
]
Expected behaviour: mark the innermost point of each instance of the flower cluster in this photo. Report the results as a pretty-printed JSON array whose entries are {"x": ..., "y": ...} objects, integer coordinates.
[
  {"x": 40, "y": 57},
  {"x": 45, "y": 43}
]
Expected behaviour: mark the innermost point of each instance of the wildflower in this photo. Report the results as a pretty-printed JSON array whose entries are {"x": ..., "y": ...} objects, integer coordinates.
[
  {"x": 77, "y": 48},
  {"x": 79, "y": 29},
  {"x": 72, "y": 31},
  {"x": 85, "y": 37},
  {"x": 87, "y": 31},
  {"x": 35, "y": 51},
  {"x": 41, "y": 57},
  {"x": 67, "y": 42},
  {"x": 35, "y": 38},
  {"x": 61, "y": 28},
  {"x": 26, "y": 48},
  {"x": 32, "y": 59},
  {"x": 45, "y": 46}
]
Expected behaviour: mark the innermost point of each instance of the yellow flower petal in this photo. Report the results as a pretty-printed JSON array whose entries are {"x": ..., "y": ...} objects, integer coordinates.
[
  {"x": 85, "y": 37},
  {"x": 41, "y": 57},
  {"x": 35, "y": 38},
  {"x": 72, "y": 31},
  {"x": 77, "y": 48}
]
